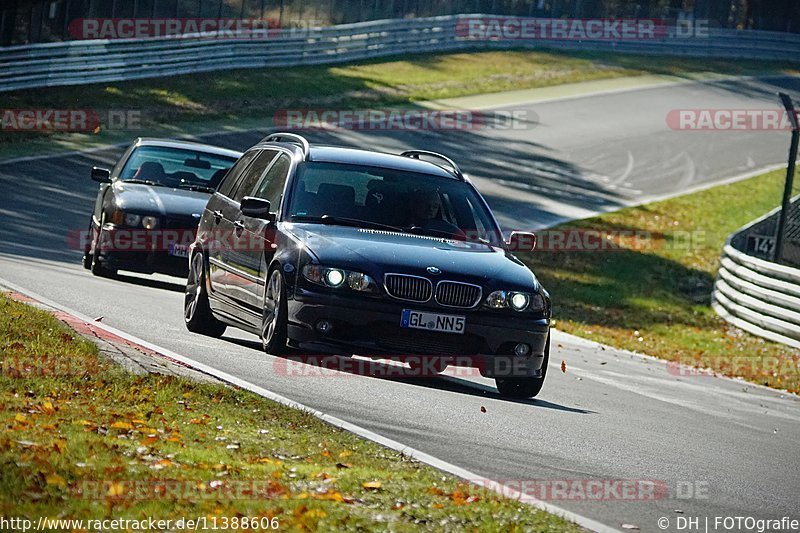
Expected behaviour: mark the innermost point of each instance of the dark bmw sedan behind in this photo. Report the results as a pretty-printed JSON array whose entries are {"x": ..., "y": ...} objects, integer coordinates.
[
  {"x": 149, "y": 205},
  {"x": 344, "y": 251}
]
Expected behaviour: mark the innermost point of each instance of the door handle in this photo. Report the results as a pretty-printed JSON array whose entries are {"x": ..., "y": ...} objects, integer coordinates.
[
  {"x": 238, "y": 227},
  {"x": 217, "y": 216}
]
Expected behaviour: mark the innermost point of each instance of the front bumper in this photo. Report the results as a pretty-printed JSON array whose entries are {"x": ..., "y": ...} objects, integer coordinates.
[
  {"x": 143, "y": 251},
  {"x": 371, "y": 327},
  {"x": 146, "y": 263}
]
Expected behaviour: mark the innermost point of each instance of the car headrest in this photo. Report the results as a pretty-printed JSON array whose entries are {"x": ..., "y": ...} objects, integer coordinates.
[{"x": 150, "y": 170}]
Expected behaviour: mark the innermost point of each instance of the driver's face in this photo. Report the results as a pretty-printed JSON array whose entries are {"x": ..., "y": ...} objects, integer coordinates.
[{"x": 428, "y": 205}]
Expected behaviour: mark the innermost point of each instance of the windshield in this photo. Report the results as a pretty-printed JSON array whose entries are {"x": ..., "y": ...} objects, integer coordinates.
[
  {"x": 176, "y": 167},
  {"x": 394, "y": 200}
]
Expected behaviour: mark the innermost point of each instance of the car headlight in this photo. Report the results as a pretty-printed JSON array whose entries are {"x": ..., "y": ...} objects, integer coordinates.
[
  {"x": 150, "y": 222},
  {"x": 132, "y": 219},
  {"x": 336, "y": 278},
  {"x": 497, "y": 300},
  {"x": 518, "y": 301},
  {"x": 358, "y": 281}
]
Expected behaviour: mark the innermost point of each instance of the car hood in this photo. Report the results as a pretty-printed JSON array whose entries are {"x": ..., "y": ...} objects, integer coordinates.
[
  {"x": 147, "y": 199},
  {"x": 378, "y": 252}
]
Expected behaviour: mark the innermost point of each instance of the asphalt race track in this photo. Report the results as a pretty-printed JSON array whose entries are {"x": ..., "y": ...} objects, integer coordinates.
[{"x": 729, "y": 448}]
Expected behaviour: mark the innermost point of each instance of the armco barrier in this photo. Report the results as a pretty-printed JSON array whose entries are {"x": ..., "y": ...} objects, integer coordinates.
[
  {"x": 96, "y": 61},
  {"x": 757, "y": 295}
]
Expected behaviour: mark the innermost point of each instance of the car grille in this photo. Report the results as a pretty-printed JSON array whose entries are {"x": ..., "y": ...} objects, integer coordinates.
[
  {"x": 411, "y": 288},
  {"x": 455, "y": 294},
  {"x": 173, "y": 222}
]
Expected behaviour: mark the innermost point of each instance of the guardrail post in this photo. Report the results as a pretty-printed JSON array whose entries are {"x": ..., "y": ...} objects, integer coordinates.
[{"x": 786, "y": 100}]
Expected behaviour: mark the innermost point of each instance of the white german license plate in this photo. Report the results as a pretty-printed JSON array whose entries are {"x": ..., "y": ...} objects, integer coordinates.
[
  {"x": 433, "y": 321},
  {"x": 179, "y": 250}
]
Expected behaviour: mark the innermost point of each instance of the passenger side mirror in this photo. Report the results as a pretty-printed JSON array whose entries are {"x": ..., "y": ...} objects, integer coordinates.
[
  {"x": 101, "y": 175},
  {"x": 256, "y": 208},
  {"x": 521, "y": 241}
]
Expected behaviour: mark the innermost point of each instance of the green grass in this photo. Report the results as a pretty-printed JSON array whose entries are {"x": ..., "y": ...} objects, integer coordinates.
[
  {"x": 656, "y": 298},
  {"x": 216, "y": 100},
  {"x": 78, "y": 431}
]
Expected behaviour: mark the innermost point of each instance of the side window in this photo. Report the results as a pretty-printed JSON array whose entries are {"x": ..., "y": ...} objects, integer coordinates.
[
  {"x": 251, "y": 175},
  {"x": 234, "y": 173},
  {"x": 271, "y": 186}
]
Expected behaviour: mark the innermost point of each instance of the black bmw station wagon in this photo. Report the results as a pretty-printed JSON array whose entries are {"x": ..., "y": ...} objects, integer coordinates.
[{"x": 345, "y": 251}]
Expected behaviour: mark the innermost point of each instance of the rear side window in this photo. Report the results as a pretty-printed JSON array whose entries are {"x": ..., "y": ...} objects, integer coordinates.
[
  {"x": 234, "y": 173},
  {"x": 253, "y": 173},
  {"x": 271, "y": 185}
]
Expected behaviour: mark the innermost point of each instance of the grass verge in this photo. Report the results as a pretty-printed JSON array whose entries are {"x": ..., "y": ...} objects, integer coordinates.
[
  {"x": 654, "y": 296},
  {"x": 216, "y": 100},
  {"x": 83, "y": 439}
]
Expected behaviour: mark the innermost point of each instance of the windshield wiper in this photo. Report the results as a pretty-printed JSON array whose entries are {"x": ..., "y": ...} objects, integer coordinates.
[
  {"x": 143, "y": 182},
  {"x": 197, "y": 187},
  {"x": 431, "y": 232},
  {"x": 418, "y": 230},
  {"x": 344, "y": 221}
]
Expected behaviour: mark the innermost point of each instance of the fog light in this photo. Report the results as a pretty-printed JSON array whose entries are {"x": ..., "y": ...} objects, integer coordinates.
[
  {"x": 324, "y": 327},
  {"x": 522, "y": 349}
]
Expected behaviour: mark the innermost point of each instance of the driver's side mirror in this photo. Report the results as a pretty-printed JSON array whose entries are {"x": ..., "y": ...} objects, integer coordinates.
[
  {"x": 521, "y": 241},
  {"x": 101, "y": 175},
  {"x": 256, "y": 208}
]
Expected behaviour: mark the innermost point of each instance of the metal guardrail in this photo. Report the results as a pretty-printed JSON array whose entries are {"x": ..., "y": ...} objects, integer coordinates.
[
  {"x": 757, "y": 295},
  {"x": 98, "y": 61}
]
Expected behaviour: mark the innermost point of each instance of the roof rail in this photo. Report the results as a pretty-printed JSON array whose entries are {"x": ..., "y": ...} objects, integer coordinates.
[
  {"x": 414, "y": 154},
  {"x": 292, "y": 138}
]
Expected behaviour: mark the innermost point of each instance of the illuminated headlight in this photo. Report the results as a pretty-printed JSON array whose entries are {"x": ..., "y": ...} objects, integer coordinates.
[
  {"x": 132, "y": 219},
  {"x": 336, "y": 278},
  {"x": 150, "y": 222},
  {"x": 519, "y": 301}
]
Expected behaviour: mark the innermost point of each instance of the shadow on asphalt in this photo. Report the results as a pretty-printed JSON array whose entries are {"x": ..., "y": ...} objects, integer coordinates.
[
  {"x": 178, "y": 286},
  {"x": 383, "y": 371}
]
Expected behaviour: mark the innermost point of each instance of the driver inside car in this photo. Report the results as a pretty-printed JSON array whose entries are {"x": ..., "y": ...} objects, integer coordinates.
[{"x": 426, "y": 212}]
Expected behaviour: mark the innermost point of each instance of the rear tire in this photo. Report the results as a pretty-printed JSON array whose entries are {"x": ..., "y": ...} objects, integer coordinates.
[
  {"x": 196, "y": 310},
  {"x": 274, "y": 317},
  {"x": 522, "y": 388}
]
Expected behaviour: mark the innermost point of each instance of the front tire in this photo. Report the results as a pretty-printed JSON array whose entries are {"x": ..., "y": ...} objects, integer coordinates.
[
  {"x": 95, "y": 266},
  {"x": 274, "y": 318},
  {"x": 88, "y": 257},
  {"x": 522, "y": 388},
  {"x": 196, "y": 310}
]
